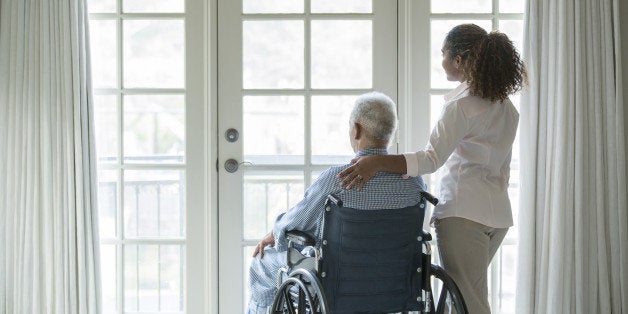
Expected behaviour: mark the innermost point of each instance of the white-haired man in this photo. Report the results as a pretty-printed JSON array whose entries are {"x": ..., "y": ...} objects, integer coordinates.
[{"x": 373, "y": 123}]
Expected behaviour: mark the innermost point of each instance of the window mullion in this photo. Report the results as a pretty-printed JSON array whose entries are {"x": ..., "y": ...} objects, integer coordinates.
[
  {"x": 307, "y": 171},
  {"x": 121, "y": 248}
]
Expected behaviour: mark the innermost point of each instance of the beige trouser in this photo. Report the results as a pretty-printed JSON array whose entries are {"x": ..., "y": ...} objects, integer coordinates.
[{"x": 466, "y": 249}]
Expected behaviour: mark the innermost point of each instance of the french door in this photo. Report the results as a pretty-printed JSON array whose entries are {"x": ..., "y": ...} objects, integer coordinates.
[{"x": 288, "y": 74}]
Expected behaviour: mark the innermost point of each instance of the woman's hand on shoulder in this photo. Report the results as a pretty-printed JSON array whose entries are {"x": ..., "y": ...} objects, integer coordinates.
[{"x": 362, "y": 170}]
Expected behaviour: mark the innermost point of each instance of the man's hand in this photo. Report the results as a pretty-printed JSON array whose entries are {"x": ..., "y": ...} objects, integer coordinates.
[{"x": 268, "y": 240}]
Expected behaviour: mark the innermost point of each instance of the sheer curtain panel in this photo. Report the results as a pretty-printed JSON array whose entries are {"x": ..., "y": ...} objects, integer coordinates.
[
  {"x": 573, "y": 255},
  {"x": 48, "y": 230}
]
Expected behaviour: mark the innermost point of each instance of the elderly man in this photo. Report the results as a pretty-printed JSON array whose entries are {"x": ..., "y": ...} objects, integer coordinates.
[{"x": 373, "y": 123}]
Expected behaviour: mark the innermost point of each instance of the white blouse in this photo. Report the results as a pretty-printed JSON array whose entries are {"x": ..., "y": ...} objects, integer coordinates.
[{"x": 473, "y": 139}]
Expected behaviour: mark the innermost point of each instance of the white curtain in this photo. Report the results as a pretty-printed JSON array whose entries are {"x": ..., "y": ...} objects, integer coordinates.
[
  {"x": 48, "y": 230},
  {"x": 573, "y": 255}
]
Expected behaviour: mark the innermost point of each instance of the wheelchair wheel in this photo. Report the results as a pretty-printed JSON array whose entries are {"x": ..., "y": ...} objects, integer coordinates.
[
  {"x": 449, "y": 294},
  {"x": 300, "y": 293}
]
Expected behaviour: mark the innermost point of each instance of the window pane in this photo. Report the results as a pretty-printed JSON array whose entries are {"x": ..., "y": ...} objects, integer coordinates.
[
  {"x": 272, "y": 6},
  {"x": 153, "y": 53},
  {"x": 513, "y": 187},
  {"x": 131, "y": 278},
  {"x": 462, "y": 6},
  {"x": 103, "y": 53},
  {"x": 154, "y": 277},
  {"x": 154, "y": 203},
  {"x": 107, "y": 203},
  {"x": 108, "y": 277},
  {"x": 511, "y": 6},
  {"x": 439, "y": 30},
  {"x": 508, "y": 273},
  {"x": 141, "y": 272},
  {"x": 272, "y": 54},
  {"x": 106, "y": 128},
  {"x": 154, "y": 129},
  {"x": 437, "y": 103},
  {"x": 171, "y": 274},
  {"x": 436, "y": 108},
  {"x": 100, "y": 6},
  {"x": 266, "y": 195},
  {"x": 342, "y": 55},
  {"x": 514, "y": 30},
  {"x": 273, "y": 129},
  {"x": 153, "y": 6},
  {"x": 342, "y": 6},
  {"x": 330, "y": 129}
]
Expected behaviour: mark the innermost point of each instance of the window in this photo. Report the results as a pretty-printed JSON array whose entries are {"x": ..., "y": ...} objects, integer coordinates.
[
  {"x": 507, "y": 17},
  {"x": 144, "y": 105},
  {"x": 137, "y": 50}
]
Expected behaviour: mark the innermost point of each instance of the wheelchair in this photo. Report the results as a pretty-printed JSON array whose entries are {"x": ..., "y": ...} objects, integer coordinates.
[{"x": 368, "y": 261}]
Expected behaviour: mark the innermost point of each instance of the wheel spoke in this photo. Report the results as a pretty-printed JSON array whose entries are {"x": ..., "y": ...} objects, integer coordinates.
[
  {"x": 301, "y": 299},
  {"x": 288, "y": 298}
]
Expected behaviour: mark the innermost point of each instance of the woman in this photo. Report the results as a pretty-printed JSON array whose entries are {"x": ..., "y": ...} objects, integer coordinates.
[{"x": 473, "y": 140}]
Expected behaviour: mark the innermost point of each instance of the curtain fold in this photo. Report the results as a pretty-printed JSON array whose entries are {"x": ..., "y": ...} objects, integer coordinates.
[
  {"x": 573, "y": 251},
  {"x": 48, "y": 218}
]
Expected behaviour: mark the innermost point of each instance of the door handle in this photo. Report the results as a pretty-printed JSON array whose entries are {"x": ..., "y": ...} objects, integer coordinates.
[{"x": 232, "y": 165}]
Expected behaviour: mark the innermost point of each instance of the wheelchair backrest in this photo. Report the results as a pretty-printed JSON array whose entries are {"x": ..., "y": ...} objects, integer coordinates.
[{"x": 370, "y": 258}]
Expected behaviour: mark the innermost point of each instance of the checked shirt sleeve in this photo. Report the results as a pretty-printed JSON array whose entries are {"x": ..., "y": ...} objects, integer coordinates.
[{"x": 307, "y": 214}]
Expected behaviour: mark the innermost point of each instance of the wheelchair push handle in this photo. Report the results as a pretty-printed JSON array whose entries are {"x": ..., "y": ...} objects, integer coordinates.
[
  {"x": 429, "y": 197},
  {"x": 332, "y": 198}
]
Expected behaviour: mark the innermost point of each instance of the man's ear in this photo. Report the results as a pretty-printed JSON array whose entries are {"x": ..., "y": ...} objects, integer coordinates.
[{"x": 358, "y": 131}]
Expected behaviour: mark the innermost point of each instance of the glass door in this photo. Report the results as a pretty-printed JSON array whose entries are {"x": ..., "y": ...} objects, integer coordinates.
[{"x": 288, "y": 74}]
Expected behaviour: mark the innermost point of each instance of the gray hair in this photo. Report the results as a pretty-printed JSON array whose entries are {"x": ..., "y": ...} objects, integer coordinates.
[{"x": 377, "y": 114}]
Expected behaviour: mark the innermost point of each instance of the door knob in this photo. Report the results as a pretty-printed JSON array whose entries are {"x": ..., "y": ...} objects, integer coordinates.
[{"x": 232, "y": 165}]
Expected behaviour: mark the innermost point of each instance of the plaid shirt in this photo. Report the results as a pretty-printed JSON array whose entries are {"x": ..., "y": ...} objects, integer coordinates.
[{"x": 384, "y": 190}]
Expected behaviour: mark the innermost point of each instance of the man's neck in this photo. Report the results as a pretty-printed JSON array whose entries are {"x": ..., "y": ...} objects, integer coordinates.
[
  {"x": 371, "y": 145},
  {"x": 363, "y": 147},
  {"x": 371, "y": 151}
]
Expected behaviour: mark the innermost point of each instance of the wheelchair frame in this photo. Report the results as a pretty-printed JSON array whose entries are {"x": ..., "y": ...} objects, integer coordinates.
[{"x": 300, "y": 286}]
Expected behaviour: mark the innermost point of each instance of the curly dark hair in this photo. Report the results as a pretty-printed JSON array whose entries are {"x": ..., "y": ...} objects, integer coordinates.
[{"x": 491, "y": 65}]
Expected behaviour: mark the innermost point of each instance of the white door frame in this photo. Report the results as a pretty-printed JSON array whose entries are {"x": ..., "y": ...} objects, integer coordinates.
[
  {"x": 201, "y": 176},
  {"x": 413, "y": 74},
  {"x": 229, "y": 240}
]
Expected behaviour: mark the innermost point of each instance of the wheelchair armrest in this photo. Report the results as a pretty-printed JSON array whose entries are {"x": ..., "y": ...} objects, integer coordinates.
[{"x": 300, "y": 237}]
